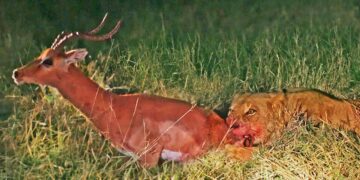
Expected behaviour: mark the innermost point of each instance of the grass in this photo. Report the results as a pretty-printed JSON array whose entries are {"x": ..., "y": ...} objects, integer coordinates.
[{"x": 202, "y": 52}]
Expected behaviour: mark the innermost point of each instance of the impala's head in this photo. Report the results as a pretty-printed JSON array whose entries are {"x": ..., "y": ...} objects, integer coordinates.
[
  {"x": 53, "y": 63},
  {"x": 48, "y": 68},
  {"x": 251, "y": 117}
]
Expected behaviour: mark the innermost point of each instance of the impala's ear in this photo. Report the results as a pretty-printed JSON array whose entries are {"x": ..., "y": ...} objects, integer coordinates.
[{"x": 75, "y": 55}]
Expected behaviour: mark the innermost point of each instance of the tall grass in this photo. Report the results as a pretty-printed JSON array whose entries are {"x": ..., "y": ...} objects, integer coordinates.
[{"x": 202, "y": 52}]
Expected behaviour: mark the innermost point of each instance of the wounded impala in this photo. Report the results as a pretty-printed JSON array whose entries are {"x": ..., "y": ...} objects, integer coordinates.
[{"x": 147, "y": 127}]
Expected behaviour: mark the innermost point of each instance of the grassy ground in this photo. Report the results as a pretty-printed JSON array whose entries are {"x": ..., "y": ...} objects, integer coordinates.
[{"x": 202, "y": 52}]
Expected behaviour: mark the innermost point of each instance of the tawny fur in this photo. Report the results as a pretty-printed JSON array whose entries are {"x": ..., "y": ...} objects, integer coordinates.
[{"x": 264, "y": 116}]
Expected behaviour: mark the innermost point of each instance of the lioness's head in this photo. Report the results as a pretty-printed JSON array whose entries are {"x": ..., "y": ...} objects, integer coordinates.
[{"x": 254, "y": 117}]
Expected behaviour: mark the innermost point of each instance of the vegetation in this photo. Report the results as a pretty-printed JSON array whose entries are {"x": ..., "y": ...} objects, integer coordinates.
[{"x": 199, "y": 51}]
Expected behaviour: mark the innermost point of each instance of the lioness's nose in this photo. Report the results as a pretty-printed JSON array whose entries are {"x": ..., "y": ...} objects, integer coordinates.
[{"x": 235, "y": 125}]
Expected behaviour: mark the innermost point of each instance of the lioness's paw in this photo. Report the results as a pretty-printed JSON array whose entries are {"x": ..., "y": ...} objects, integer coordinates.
[{"x": 239, "y": 153}]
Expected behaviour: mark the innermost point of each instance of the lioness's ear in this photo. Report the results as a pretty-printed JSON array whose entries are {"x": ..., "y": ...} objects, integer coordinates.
[
  {"x": 75, "y": 55},
  {"x": 238, "y": 96},
  {"x": 278, "y": 100}
]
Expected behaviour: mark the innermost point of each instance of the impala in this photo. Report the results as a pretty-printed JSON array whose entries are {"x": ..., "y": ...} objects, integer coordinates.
[{"x": 144, "y": 126}]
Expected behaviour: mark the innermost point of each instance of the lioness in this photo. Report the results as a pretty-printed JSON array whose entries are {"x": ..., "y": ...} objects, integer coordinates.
[{"x": 259, "y": 118}]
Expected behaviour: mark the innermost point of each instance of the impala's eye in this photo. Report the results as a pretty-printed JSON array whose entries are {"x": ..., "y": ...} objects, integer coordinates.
[
  {"x": 250, "y": 112},
  {"x": 47, "y": 62}
]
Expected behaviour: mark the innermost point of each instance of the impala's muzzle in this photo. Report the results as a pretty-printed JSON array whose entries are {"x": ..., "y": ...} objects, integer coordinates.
[
  {"x": 15, "y": 76},
  {"x": 15, "y": 73}
]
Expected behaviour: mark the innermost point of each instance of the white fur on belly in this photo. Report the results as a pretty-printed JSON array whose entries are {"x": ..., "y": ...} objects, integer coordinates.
[
  {"x": 165, "y": 154},
  {"x": 171, "y": 155}
]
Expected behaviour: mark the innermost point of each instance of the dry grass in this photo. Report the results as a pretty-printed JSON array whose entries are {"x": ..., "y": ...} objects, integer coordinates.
[{"x": 200, "y": 52}]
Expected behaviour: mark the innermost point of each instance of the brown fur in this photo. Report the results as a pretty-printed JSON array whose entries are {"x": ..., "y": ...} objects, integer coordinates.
[
  {"x": 142, "y": 124},
  {"x": 271, "y": 113}
]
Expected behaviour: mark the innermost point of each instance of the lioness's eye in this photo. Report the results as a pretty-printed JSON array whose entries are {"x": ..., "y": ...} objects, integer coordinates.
[
  {"x": 47, "y": 62},
  {"x": 250, "y": 112}
]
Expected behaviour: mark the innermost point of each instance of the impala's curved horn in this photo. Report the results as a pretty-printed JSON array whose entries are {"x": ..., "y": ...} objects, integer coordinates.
[
  {"x": 100, "y": 26},
  {"x": 62, "y": 38}
]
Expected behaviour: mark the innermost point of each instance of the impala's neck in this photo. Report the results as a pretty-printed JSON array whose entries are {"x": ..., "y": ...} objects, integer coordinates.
[{"x": 86, "y": 95}]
